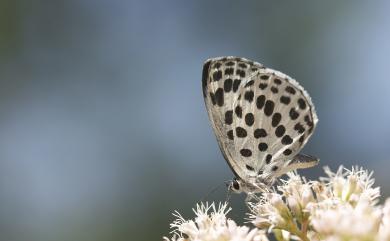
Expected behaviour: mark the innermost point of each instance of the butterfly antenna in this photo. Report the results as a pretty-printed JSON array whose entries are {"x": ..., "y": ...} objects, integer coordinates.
[
  {"x": 211, "y": 192},
  {"x": 228, "y": 195}
]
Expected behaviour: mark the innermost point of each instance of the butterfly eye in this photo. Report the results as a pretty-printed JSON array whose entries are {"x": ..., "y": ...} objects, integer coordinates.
[{"x": 236, "y": 185}]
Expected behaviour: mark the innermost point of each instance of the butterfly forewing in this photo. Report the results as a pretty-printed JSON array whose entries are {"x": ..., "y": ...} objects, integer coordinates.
[
  {"x": 222, "y": 81},
  {"x": 262, "y": 118}
]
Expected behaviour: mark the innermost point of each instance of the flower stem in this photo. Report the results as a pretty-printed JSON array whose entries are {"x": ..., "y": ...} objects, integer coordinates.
[
  {"x": 305, "y": 224},
  {"x": 300, "y": 233}
]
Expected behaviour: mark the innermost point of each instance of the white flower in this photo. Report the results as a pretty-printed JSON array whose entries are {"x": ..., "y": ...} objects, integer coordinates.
[
  {"x": 211, "y": 224},
  {"x": 346, "y": 222},
  {"x": 351, "y": 185},
  {"x": 284, "y": 210},
  {"x": 270, "y": 212},
  {"x": 339, "y": 206},
  {"x": 384, "y": 229},
  {"x": 298, "y": 194}
]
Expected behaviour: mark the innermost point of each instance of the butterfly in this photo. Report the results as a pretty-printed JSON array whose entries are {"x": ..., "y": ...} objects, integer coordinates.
[{"x": 261, "y": 117}]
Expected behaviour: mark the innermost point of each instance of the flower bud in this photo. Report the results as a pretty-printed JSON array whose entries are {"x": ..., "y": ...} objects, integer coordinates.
[
  {"x": 307, "y": 196},
  {"x": 277, "y": 202},
  {"x": 294, "y": 206},
  {"x": 350, "y": 188},
  {"x": 338, "y": 184}
]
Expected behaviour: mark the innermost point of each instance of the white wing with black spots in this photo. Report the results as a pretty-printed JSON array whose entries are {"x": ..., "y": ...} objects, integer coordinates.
[{"x": 261, "y": 117}]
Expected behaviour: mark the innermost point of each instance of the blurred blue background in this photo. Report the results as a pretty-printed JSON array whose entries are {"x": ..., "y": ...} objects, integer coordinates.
[{"x": 103, "y": 129}]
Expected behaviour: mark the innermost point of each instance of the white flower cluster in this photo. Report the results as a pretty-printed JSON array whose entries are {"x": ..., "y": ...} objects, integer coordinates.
[
  {"x": 211, "y": 224},
  {"x": 340, "y": 207}
]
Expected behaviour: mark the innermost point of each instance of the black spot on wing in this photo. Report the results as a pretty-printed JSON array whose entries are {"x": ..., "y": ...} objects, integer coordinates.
[
  {"x": 276, "y": 119},
  {"x": 227, "y": 86},
  {"x": 250, "y": 168},
  {"x": 274, "y": 89},
  {"x": 260, "y": 102},
  {"x": 230, "y": 63},
  {"x": 229, "y": 71},
  {"x": 263, "y": 146},
  {"x": 238, "y": 111},
  {"x": 242, "y": 65},
  {"x": 236, "y": 84},
  {"x": 246, "y": 152},
  {"x": 249, "y": 119},
  {"x": 299, "y": 127},
  {"x": 264, "y": 77},
  {"x": 229, "y": 117},
  {"x": 269, "y": 107},
  {"x": 230, "y": 134},
  {"x": 290, "y": 90},
  {"x": 287, "y": 140},
  {"x": 251, "y": 82},
  {"x": 217, "y": 75},
  {"x": 249, "y": 96},
  {"x": 280, "y": 130},
  {"x": 263, "y": 86},
  {"x": 287, "y": 152},
  {"x": 308, "y": 121},
  {"x": 241, "y": 132},
  {"x": 293, "y": 114},
  {"x": 302, "y": 103},
  {"x": 277, "y": 81},
  {"x": 240, "y": 72},
  {"x": 219, "y": 96},
  {"x": 268, "y": 159},
  {"x": 285, "y": 99},
  {"x": 259, "y": 133}
]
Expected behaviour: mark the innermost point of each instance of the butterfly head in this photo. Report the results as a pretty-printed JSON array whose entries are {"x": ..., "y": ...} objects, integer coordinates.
[
  {"x": 237, "y": 186},
  {"x": 234, "y": 185}
]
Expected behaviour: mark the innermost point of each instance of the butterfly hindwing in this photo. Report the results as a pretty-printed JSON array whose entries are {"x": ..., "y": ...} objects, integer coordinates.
[
  {"x": 284, "y": 119},
  {"x": 262, "y": 118}
]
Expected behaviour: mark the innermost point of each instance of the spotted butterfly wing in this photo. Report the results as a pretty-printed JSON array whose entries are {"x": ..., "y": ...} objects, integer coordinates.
[{"x": 262, "y": 118}]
